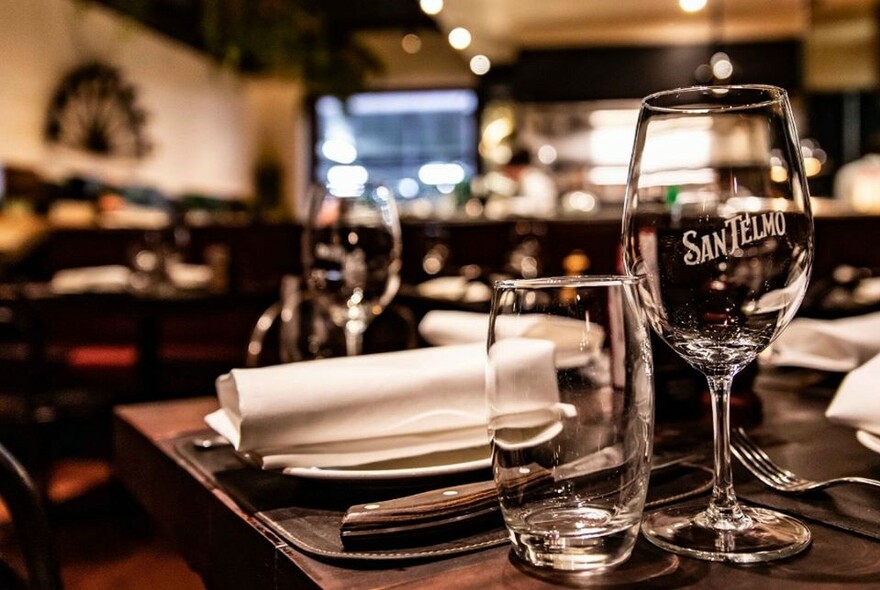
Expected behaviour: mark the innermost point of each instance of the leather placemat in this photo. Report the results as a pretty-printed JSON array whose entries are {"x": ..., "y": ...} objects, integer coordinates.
[
  {"x": 821, "y": 452},
  {"x": 851, "y": 508},
  {"x": 316, "y": 531},
  {"x": 308, "y": 513}
]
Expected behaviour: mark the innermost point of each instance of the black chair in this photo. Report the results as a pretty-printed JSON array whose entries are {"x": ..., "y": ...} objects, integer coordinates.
[
  {"x": 302, "y": 330},
  {"x": 31, "y": 523}
]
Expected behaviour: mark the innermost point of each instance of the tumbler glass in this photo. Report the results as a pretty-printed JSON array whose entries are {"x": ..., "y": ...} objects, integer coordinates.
[{"x": 570, "y": 397}]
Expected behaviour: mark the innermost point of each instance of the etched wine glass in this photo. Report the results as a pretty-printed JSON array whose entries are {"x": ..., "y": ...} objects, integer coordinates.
[
  {"x": 351, "y": 255},
  {"x": 717, "y": 222}
]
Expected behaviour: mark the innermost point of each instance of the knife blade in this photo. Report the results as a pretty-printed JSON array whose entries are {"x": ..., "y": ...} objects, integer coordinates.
[{"x": 446, "y": 510}]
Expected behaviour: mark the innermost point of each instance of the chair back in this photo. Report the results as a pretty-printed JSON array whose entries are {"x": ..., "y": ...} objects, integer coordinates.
[{"x": 31, "y": 524}]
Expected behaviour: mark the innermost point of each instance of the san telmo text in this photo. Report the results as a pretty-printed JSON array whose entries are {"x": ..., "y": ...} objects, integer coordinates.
[{"x": 738, "y": 231}]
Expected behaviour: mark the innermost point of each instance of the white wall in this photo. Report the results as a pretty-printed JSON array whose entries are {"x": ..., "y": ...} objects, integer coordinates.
[{"x": 207, "y": 125}]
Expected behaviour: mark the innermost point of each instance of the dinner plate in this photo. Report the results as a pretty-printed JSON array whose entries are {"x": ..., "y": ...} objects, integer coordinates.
[
  {"x": 430, "y": 465},
  {"x": 869, "y": 440}
]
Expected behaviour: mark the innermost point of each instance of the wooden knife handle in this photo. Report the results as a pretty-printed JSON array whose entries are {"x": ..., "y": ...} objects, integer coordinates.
[
  {"x": 442, "y": 505},
  {"x": 426, "y": 506},
  {"x": 449, "y": 506}
]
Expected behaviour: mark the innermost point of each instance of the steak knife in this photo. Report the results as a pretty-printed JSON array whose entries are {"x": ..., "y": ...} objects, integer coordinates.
[{"x": 453, "y": 509}]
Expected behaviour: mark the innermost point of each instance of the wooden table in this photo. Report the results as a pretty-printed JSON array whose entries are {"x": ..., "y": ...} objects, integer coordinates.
[{"x": 231, "y": 549}]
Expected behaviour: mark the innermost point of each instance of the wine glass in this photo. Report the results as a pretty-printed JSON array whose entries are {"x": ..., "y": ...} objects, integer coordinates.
[
  {"x": 717, "y": 222},
  {"x": 351, "y": 255}
]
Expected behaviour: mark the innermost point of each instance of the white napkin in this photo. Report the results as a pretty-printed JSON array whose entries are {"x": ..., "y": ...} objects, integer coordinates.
[
  {"x": 857, "y": 401},
  {"x": 570, "y": 335},
  {"x": 441, "y": 328},
  {"x": 356, "y": 410},
  {"x": 189, "y": 276},
  {"x": 455, "y": 288},
  {"x": 850, "y": 345},
  {"x": 109, "y": 278},
  {"x": 827, "y": 345},
  {"x": 523, "y": 393}
]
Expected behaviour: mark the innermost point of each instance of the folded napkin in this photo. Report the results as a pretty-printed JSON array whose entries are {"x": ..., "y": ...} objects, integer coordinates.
[
  {"x": 442, "y": 328},
  {"x": 523, "y": 393},
  {"x": 107, "y": 278},
  {"x": 456, "y": 288},
  {"x": 356, "y": 410},
  {"x": 857, "y": 402},
  {"x": 343, "y": 412},
  {"x": 827, "y": 345}
]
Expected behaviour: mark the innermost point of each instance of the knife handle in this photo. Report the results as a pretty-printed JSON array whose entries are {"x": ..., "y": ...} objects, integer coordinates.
[
  {"x": 438, "y": 506},
  {"x": 426, "y": 506}
]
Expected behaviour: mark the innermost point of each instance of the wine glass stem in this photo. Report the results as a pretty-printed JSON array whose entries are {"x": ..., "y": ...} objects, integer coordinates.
[
  {"x": 354, "y": 340},
  {"x": 724, "y": 512}
]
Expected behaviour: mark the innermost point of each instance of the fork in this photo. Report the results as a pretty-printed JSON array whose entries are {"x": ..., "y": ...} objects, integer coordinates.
[{"x": 783, "y": 480}]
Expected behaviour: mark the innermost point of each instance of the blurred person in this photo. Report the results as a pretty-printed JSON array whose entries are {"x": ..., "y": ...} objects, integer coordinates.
[
  {"x": 537, "y": 192},
  {"x": 527, "y": 190}
]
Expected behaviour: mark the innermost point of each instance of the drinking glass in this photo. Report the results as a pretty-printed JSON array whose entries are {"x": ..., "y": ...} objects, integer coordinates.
[
  {"x": 570, "y": 400},
  {"x": 717, "y": 223},
  {"x": 351, "y": 256}
]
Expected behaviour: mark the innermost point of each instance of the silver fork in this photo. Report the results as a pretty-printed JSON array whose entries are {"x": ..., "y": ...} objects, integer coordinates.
[{"x": 783, "y": 480}]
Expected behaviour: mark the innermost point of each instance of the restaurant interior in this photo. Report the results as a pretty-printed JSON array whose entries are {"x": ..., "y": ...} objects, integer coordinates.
[{"x": 158, "y": 158}]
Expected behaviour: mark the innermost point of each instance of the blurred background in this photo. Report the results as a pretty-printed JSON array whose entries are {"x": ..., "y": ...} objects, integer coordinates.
[
  {"x": 156, "y": 156},
  {"x": 213, "y": 108}
]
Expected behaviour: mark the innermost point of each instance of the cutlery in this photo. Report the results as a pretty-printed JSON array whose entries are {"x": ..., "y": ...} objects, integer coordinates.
[
  {"x": 783, "y": 480},
  {"x": 449, "y": 509}
]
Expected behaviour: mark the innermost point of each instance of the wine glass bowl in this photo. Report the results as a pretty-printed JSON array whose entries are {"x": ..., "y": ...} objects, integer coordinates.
[
  {"x": 352, "y": 256},
  {"x": 717, "y": 223}
]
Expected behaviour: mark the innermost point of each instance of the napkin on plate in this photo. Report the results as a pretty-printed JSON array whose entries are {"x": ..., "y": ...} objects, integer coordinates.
[
  {"x": 344, "y": 412},
  {"x": 455, "y": 288},
  {"x": 526, "y": 367},
  {"x": 827, "y": 345},
  {"x": 572, "y": 338},
  {"x": 442, "y": 328}
]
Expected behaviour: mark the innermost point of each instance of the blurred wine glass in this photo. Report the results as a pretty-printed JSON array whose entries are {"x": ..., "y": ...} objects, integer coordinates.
[{"x": 351, "y": 255}]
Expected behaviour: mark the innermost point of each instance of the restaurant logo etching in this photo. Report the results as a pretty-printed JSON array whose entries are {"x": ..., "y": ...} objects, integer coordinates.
[{"x": 737, "y": 232}]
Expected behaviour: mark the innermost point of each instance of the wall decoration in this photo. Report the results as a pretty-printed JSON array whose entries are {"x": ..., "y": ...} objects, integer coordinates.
[{"x": 95, "y": 110}]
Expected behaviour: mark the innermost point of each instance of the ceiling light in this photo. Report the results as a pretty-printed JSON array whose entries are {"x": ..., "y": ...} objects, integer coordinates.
[
  {"x": 459, "y": 38},
  {"x": 480, "y": 64},
  {"x": 431, "y": 7},
  {"x": 691, "y": 5}
]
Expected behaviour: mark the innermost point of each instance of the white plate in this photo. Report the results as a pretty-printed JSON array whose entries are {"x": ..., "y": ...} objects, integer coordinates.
[
  {"x": 434, "y": 464},
  {"x": 872, "y": 441}
]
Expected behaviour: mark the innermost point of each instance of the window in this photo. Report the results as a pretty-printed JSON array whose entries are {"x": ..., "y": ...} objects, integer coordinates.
[{"x": 422, "y": 144}]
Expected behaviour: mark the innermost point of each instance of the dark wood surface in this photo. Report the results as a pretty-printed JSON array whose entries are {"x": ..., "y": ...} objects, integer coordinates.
[{"x": 231, "y": 549}]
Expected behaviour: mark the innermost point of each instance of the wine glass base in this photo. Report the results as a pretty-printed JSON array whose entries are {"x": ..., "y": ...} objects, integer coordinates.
[{"x": 772, "y": 535}]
